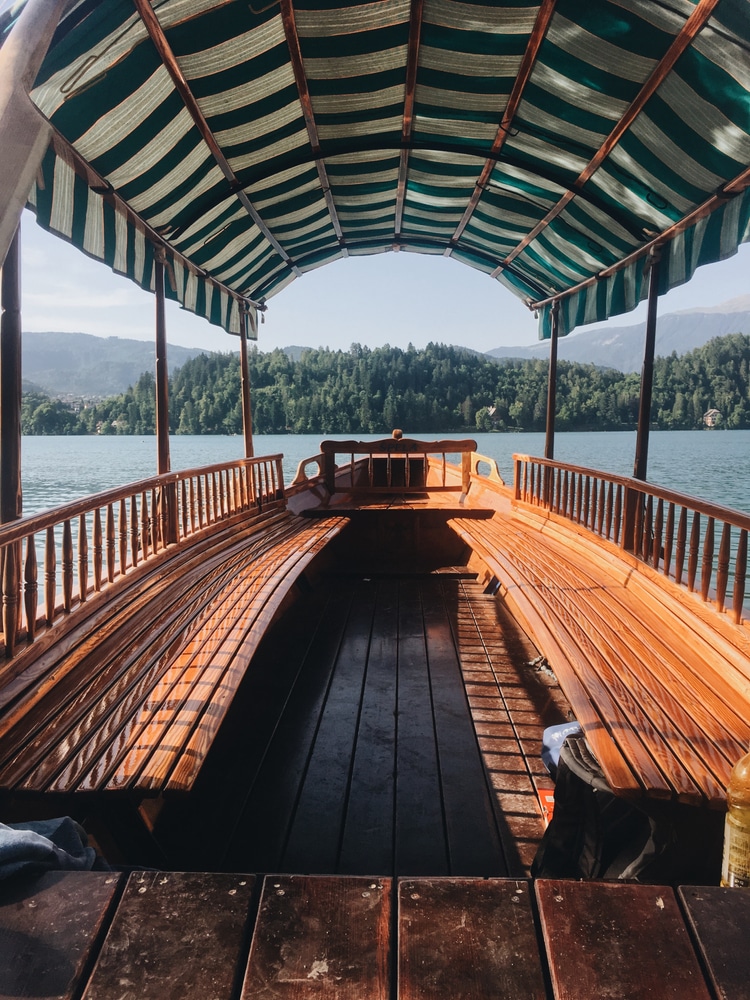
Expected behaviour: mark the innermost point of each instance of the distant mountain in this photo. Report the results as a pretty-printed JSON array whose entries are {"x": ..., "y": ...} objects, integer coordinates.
[
  {"x": 80, "y": 366},
  {"x": 621, "y": 347}
]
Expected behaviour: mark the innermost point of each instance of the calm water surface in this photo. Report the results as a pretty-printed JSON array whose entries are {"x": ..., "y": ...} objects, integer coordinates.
[{"x": 714, "y": 464}]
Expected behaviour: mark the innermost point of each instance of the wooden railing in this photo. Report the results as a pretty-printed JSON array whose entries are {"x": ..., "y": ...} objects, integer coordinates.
[
  {"x": 396, "y": 464},
  {"x": 87, "y": 545},
  {"x": 674, "y": 533}
]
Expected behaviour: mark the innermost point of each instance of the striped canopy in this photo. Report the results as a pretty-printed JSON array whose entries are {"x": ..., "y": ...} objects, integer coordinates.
[{"x": 555, "y": 146}]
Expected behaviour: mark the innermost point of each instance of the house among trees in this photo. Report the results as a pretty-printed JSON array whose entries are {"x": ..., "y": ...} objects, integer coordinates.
[{"x": 711, "y": 418}]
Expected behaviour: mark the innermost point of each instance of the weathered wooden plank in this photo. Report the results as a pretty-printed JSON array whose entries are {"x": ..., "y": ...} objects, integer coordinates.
[
  {"x": 175, "y": 935},
  {"x": 262, "y": 830},
  {"x": 49, "y": 927},
  {"x": 420, "y": 847},
  {"x": 473, "y": 841},
  {"x": 367, "y": 840},
  {"x": 468, "y": 939},
  {"x": 316, "y": 827},
  {"x": 720, "y": 918},
  {"x": 321, "y": 937},
  {"x": 617, "y": 940}
]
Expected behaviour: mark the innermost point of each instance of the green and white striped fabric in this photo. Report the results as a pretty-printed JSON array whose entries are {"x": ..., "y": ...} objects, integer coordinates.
[{"x": 573, "y": 192}]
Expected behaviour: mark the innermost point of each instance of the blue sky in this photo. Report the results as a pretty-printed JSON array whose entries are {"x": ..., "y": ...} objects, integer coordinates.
[{"x": 395, "y": 298}]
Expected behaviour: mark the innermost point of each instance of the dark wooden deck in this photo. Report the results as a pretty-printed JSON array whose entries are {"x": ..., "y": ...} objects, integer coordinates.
[
  {"x": 392, "y": 726},
  {"x": 238, "y": 937}
]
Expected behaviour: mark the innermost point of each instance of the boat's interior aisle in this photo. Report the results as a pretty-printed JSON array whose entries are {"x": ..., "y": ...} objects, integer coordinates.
[{"x": 391, "y": 726}]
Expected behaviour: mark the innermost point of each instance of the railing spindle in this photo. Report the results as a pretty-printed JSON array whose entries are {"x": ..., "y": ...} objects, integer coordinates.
[
  {"x": 656, "y": 544},
  {"x": 647, "y": 531},
  {"x": 31, "y": 588},
  {"x": 67, "y": 566},
  {"x": 10, "y": 588},
  {"x": 122, "y": 529},
  {"x": 695, "y": 533},
  {"x": 98, "y": 562},
  {"x": 145, "y": 531},
  {"x": 110, "y": 530},
  {"x": 707, "y": 564},
  {"x": 134, "y": 530},
  {"x": 83, "y": 558},
  {"x": 679, "y": 564},
  {"x": 722, "y": 569},
  {"x": 50, "y": 576},
  {"x": 618, "y": 514},
  {"x": 668, "y": 539},
  {"x": 740, "y": 575}
]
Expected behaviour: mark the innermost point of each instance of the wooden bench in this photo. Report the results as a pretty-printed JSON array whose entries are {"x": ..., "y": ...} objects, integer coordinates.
[
  {"x": 662, "y": 696},
  {"x": 132, "y": 698}
]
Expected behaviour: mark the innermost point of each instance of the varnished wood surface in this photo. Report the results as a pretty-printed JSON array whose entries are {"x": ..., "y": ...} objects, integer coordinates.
[
  {"x": 50, "y": 928},
  {"x": 321, "y": 937},
  {"x": 661, "y": 696},
  {"x": 137, "y": 702},
  {"x": 390, "y": 726},
  {"x": 617, "y": 940},
  {"x": 220, "y": 936},
  {"x": 379, "y": 741},
  {"x": 468, "y": 940},
  {"x": 175, "y": 935},
  {"x": 720, "y": 918}
]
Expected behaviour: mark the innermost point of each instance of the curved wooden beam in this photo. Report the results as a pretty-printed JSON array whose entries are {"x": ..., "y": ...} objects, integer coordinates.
[
  {"x": 536, "y": 38},
  {"x": 412, "y": 63},
  {"x": 157, "y": 36},
  {"x": 295, "y": 55},
  {"x": 684, "y": 38}
]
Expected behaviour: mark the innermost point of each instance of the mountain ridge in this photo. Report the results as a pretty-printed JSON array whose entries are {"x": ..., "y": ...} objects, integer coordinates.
[{"x": 81, "y": 366}]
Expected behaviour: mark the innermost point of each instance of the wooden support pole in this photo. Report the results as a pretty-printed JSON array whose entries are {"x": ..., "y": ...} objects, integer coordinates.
[
  {"x": 549, "y": 438},
  {"x": 247, "y": 413},
  {"x": 647, "y": 374},
  {"x": 549, "y": 441},
  {"x": 162, "y": 374},
  {"x": 10, "y": 384},
  {"x": 168, "y": 514},
  {"x": 10, "y": 437}
]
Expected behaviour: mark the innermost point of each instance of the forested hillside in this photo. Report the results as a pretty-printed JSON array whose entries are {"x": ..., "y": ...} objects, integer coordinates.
[{"x": 425, "y": 391}]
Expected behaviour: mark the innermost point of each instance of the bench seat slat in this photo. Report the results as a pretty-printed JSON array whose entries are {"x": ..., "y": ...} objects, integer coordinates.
[
  {"x": 663, "y": 702},
  {"x": 693, "y": 717},
  {"x": 125, "y": 708},
  {"x": 178, "y": 771},
  {"x": 135, "y": 734},
  {"x": 654, "y": 713},
  {"x": 629, "y": 725},
  {"x": 103, "y": 675}
]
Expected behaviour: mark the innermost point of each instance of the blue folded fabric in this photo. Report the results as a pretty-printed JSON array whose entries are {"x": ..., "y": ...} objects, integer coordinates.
[{"x": 45, "y": 845}]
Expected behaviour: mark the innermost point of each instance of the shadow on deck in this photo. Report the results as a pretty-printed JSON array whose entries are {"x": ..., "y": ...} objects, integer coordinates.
[{"x": 391, "y": 726}]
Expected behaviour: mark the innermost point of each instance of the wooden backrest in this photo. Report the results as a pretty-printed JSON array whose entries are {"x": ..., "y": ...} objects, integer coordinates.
[{"x": 395, "y": 465}]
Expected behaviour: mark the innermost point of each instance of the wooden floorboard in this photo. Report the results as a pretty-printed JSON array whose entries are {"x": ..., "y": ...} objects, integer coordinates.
[
  {"x": 395, "y": 731},
  {"x": 368, "y": 827}
]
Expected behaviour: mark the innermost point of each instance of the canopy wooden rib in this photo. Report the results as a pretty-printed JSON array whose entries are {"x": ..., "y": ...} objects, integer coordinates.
[{"x": 692, "y": 26}]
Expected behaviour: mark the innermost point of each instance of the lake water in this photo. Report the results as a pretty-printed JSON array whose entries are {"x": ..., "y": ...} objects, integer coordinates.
[{"x": 714, "y": 465}]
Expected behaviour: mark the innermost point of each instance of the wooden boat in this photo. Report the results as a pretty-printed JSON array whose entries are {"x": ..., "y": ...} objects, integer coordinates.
[{"x": 348, "y": 676}]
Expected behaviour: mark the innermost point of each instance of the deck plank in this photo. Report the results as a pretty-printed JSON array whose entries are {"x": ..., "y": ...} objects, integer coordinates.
[
  {"x": 368, "y": 829},
  {"x": 49, "y": 926},
  {"x": 321, "y": 937},
  {"x": 720, "y": 918},
  {"x": 474, "y": 846},
  {"x": 468, "y": 939},
  {"x": 633, "y": 937},
  {"x": 418, "y": 791},
  {"x": 175, "y": 935},
  {"x": 261, "y": 833},
  {"x": 314, "y": 835}
]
